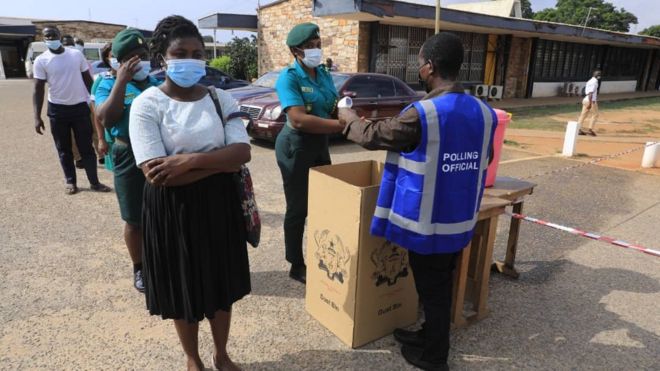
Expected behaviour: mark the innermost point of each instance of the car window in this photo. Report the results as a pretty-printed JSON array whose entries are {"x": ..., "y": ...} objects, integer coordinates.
[
  {"x": 339, "y": 80},
  {"x": 91, "y": 54},
  {"x": 371, "y": 86},
  {"x": 212, "y": 73},
  {"x": 402, "y": 89},
  {"x": 267, "y": 80}
]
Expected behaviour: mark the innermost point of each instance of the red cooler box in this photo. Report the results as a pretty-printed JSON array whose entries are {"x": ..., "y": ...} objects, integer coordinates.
[{"x": 503, "y": 119}]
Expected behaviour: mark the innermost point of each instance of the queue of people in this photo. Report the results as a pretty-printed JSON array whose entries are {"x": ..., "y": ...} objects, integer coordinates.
[{"x": 175, "y": 146}]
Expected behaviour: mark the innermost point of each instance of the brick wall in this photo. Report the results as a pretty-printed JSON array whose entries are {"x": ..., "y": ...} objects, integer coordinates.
[
  {"x": 340, "y": 38},
  {"x": 517, "y": 68},
  {"x": 83, "y": 29}
]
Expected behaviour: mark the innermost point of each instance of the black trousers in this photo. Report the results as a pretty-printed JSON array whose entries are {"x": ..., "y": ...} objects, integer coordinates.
[
  {"x": 296, "y": 153},
  {"x": 76, "y": 118},
  {"x": 433, "y": 281}
]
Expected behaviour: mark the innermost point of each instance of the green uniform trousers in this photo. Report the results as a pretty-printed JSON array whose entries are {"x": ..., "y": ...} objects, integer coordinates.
[{"x": 296, "y": 153}]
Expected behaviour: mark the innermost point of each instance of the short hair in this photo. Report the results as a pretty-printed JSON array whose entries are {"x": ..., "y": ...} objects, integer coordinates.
[
  {"x": 445, "y": 51},
  {"x": 68, "y": 39},
  {"x": 172, "y": 28},
  {"x": 597, "y": 70},
  {"x": 52, "y": 27},
  {"x": 105, "y": 53},
  {"x": 79, "y": 41}
]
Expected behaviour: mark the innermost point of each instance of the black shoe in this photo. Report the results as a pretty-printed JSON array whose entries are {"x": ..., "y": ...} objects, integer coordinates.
[
  {"x": 413, "y": 355},
  {"x": 137, "y": 281},
  {"x": 102, "y": 161},
  {"x": 80, "y": 165},
  {"x": 299, "y": 273},
  {"x": 412, "y": 338}
]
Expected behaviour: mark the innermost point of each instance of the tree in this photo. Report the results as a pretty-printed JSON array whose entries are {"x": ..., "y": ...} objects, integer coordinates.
[
  {"x": 243, "y": 54},
  {"x": 526, "y": 7},
  {"x": 651, "y": 31},
  {"x": 208, "y": 38},
  {"x": 222, "y": 63},
  {"x": 604, "y": 15}
]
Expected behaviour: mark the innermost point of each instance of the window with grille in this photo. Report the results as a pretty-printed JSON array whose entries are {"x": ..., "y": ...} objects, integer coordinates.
[
  {"x": 563, "y": 61},
  {"x": 397, "y": 48}
]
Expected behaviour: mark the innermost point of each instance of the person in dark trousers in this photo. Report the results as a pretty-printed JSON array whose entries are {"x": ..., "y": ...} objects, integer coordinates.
[
  {"x": 67, "y": 73},
  {"x": 113, "y": 98},
  {"x": 432, "y": 185},
  {"x": 308, "y": 97}
]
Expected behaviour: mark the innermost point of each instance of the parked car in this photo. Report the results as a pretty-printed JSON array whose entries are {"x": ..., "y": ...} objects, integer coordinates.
[
  {"x": 263, "y": 85},
  {"x": 99, "y": 67},
  {"x": 213, "y": 77},
  {"x": 375, "y": 96}
]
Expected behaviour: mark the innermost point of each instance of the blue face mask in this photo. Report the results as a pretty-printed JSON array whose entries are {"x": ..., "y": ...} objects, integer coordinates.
[
  {"x": 186, "y": 72},
  {"x": 144, "y": 72},
  {"x": 53, "y": 44}
]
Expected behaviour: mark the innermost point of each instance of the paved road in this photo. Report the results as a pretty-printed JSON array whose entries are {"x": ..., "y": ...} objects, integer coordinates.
[{"x": 66, "y": 300}]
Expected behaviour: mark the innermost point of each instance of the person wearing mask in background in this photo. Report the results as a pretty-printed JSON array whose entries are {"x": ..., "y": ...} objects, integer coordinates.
[
  {"x": 74, "y": 43},
  {"x": 195, "y": 252},
  {"x": 590, "y": 104},
  {"x": 308, "y": 96},
  {"x": 331, "y": 66},
  {"x": 426, "y": 205},
  {"x": 104, "y": 146},
  {"x": 69, "y": 81},
  {"x": 114, "y": 97}
]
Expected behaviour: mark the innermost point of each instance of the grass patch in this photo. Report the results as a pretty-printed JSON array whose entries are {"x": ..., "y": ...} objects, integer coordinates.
[
  {"x": 540, "y": 118},
  {"x": 511, "y": 143}
]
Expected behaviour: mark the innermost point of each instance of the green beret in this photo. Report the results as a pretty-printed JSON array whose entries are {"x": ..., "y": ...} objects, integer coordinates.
[
  {"x": 126, "y": 41},
  {"x": 301, "y": 33}
]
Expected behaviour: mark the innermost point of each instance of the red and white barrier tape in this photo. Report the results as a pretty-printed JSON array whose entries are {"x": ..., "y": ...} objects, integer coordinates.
[{"x": 592, "y": 236}]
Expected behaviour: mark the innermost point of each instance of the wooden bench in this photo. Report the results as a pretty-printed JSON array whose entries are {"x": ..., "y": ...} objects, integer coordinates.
[
  {"x": 472, "y": 273},
  {"x": 514, "y": 190}
]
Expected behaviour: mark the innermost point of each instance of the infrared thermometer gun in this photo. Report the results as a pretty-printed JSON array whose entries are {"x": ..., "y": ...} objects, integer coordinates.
[{"x": 345, "y": 102}]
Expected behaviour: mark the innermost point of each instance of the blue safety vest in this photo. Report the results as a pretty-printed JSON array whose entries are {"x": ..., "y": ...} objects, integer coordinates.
[{"x": 429, "y": 198}]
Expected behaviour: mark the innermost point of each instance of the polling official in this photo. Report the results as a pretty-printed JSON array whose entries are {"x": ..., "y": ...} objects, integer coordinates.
[
  {"x": 308, "y": 97},
  {"x": 432, "y": 186}
]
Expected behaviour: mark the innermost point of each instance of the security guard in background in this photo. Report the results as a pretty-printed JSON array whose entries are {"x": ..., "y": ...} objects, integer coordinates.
[
  {"x": 308, "y": 97},
  {"x": 432, "y": 185}
]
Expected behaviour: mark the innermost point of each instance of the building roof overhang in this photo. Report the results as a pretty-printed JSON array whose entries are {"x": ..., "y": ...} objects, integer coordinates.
[
  {"x": 224, "y": 21},
  {"x": 419, "y": 15}
]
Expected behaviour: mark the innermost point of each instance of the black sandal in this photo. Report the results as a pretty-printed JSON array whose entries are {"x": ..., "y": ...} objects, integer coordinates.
[
  {"x": 71, "y": 189},
  {"x": 100, "y": 188}
]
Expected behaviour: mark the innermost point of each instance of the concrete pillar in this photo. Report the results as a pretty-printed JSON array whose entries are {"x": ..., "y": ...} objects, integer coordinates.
[
  {"x": 570, "y": 139},
  {"x": 651, "y": 154}
]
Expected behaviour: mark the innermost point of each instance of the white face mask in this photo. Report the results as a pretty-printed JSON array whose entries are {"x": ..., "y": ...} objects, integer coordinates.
[
  {"x": 114, "y": 63},
  {"x": 313, "y": 57}
]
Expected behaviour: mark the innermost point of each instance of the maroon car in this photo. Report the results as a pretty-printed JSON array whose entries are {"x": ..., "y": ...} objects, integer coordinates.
[{"x": 375, "y": 96}]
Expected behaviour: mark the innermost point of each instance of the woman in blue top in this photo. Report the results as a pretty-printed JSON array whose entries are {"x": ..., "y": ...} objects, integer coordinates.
[
  {"x": 308, "y": 96},
  {"x": 114, "y": 97}
]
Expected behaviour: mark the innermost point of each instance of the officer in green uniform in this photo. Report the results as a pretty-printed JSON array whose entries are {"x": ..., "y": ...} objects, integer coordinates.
[
  {"x": 308, "y": 97},
  {"x": 114, "y": 97}
]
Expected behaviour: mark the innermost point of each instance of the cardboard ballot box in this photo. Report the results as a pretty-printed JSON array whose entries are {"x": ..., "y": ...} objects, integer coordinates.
[{"x": 358, "y": 286}]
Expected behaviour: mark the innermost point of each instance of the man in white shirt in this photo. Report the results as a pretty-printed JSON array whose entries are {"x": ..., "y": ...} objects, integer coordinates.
[
  {"x": 67, "y": 73},
  {"x": 590, "y": 105}
]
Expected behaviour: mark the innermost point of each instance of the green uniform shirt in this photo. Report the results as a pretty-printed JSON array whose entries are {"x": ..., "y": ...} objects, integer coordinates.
[
  {"x": 132, "y": 91},
  {"x": 295, "y": 88}
]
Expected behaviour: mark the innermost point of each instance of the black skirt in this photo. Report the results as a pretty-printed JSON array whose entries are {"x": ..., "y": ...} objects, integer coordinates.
[{"x": 195, "y": 259}]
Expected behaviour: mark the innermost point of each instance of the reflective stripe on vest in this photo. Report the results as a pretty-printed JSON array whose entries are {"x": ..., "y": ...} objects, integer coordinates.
[{"x": 428, "y": 169}]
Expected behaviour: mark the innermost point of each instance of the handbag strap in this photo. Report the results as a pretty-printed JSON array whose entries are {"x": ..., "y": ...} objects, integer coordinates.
[{"x": 216, "y": 102}]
